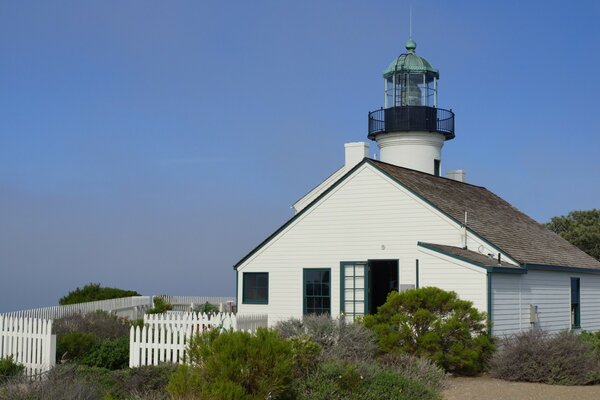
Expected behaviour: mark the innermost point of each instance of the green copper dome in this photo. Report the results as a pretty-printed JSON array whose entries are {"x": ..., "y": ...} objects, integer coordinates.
[{"x": 409, "y": 62}]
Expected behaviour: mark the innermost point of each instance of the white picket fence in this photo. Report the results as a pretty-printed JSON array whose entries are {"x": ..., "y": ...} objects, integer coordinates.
[
  {"x": 131, "y": 307},
  {"x": 30, "y": 342},
  {"x": 164, "y": 337},
  {"x": 188, "y": 303}
]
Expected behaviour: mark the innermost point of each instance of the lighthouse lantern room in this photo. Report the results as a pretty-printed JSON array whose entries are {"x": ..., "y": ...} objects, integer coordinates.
[{"x": 411, "y": 130}]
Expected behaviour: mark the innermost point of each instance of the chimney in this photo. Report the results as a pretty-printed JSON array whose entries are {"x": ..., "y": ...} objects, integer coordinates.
[
  {"x": 457, "y": 175},
  {"x": 355, "y": 152}
]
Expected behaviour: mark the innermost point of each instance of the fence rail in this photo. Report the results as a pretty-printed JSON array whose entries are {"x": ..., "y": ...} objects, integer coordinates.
[
  {"x": 164, "y": 337},
  {"x": 188, "y": 303},
  {"x": 30, "y": 342},
  {"x": 131, "y": 307}
]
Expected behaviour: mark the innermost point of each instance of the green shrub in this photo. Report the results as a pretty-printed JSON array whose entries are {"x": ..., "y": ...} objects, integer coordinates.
[
  {"x": 95, "y": 292},
  {"x": 101, "y": 324},
  {"x": 207, "y": 308},
  {"x": 9, "y": 368},
  {"x": 563, "y": 359},
  {"x": 160, "y": 306},
  {"x": 147, "y": 382},
  {"x": 593, "y": 338},
  {"x": 340, "y": 380},
  {"x": 62, "y": 382},
  {"x": 418, "y": 369},
  {"x": 435, "y": 324},
  {"x": 74, "y": 345},
  {"x": 339, "y": 339},
  {"x": 305, "y": 353},
  {"x": 110, "y": 354},
  {"x": 236, "y": 365},
  {"x": 75, "y": 381}
]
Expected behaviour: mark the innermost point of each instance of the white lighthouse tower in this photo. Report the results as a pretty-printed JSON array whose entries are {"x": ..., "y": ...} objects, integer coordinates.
[{"x": 411, "y": 130}]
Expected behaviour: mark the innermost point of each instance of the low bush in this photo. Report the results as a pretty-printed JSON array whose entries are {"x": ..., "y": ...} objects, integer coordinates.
[
  {"x": 148, "y": 382},
  {"x": 95, "y": 292},
  {"x": 593, "y": 338},
  {"x": 74, "y": 345},
  {"x": 340, "y": 380},
  {"x": 100, "y": 323},
  {"x": 435, "y": 324},
  {"x": 62, "y": 382},
  {"x": 160, "y": 306},
  {"x": 9, "y": 368},
  {"x": 207, "y": 308},
  {"x": 236, "y": 365},
  {"x": 305, "y": 353},
  {"x": 110, "y": 354},
  {"x": 89, "y": 383},
  {"x": 339, "y": 339},
  {"x": 416, "y": 368},
  {"x": 536, "y": 356}
]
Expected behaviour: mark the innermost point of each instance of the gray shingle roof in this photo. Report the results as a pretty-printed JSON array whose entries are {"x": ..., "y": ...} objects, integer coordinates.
[
  {"x": 492, "y": 218},
  {"x": 470, "y": 256}
]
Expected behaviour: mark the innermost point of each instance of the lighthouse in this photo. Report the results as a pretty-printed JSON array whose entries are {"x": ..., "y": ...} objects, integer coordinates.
[{"x": 410, "y": 130}]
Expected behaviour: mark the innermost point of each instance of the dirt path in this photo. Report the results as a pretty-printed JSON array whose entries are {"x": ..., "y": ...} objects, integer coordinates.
[{"x": 484, "y": 388}]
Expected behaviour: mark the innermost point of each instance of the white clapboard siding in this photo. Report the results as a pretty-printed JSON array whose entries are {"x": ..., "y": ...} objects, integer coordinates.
[
  {"x": 30, "y": 342},
  {"x": 164, "y": 337},
  {"x": 366, "y": 217},
  {"x": 131, "y": 307},
  {"x": 550, "y": 292}
]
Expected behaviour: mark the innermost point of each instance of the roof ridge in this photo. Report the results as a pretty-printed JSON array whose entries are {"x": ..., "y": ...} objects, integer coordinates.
[{"x": 427, "y": 174}]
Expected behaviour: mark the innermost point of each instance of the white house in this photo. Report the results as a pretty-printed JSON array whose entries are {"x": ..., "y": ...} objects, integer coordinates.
[{"x": 377, "y": 226}]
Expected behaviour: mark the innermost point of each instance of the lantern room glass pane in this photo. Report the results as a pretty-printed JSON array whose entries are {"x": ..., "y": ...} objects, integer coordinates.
[{"x": 411, "y": 89}]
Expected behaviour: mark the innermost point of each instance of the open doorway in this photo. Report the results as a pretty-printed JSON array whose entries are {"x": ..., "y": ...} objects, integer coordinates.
[{"x": 383, "y": 278}]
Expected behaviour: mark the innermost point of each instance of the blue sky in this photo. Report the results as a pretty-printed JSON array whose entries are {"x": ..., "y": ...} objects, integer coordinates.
[{"x": 149, "y": 145}]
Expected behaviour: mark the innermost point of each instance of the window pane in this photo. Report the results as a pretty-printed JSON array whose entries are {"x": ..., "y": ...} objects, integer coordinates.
[
  {"x": 317, "y": 291},
  {"x": 255, "y": 288}
]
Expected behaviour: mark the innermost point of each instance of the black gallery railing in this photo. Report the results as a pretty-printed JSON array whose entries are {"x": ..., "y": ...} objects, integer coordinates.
[{"x": 411, "y": 118}]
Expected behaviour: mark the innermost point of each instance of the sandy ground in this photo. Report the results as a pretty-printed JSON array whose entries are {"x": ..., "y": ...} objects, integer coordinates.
[{"x": 485, "y": 388}]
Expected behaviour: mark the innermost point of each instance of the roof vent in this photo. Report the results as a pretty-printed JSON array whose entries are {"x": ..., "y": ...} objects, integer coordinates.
[
  {"x": 355, "y": 152},
  {"x": 456, "y": 175}
]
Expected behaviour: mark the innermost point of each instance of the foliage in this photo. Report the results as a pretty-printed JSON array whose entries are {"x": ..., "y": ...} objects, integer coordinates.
[
  {"x": 101, "y": 324},
  {"x": 95, "y": 292},
  {"x": 236, "y": 365},
  {"x": 9, "y": 368},
  {"x": 536, "y": 356},
  {"x": 580, "y": 228},
  {"x": 110, "y": 354},
  {"x": 144, "y": 382},
  {"x": 74, "y": 381},
  {"x": 340, "y": 380},
  {"x": 74, "y": 345},
  {"x": 160, "y": 306},
  {"x": 435, "y": 324},
  {"x": 207, "y": 308},
  {"x": 416, "y": 368},
  {"x": 592, "y": 338},
  {"x": 92, "y": 336},
  {"x": 339, "y": 339},
  {"x": 305, "y": 353},
  {"x": 62, "y": 382}
]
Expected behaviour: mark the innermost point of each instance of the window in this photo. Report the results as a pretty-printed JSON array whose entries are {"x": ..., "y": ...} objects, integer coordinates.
[
  {"x": 317, "y": 291},
  {"x": 575, "y": 304},
  {"x": 436, "y": 167},
  {"x": 256, "y": 288}
]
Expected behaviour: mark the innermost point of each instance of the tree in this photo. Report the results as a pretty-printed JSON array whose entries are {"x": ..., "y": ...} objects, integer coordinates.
[
  {"x": 435, "y": 324},
  {"x": 94, "y": 292},
  {"x": 580, "y": 228}
]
